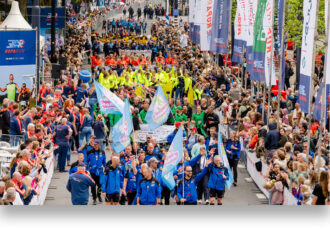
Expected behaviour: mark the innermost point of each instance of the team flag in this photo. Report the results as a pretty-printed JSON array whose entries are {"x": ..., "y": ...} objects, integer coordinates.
[
  {"x": 122, "y": 130},
  {"x": 224, "y": 159},
  {"x": 108, "y": 101},
  {"x": 173, "y": 157},
  {"x": 158, "y": 111}
]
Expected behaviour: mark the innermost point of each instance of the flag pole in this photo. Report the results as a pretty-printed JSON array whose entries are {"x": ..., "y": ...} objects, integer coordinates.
[
  {"x": 311, "y": 91},
  {"x": 324, "y": 96},
  {"x": 282, "y": 55}
]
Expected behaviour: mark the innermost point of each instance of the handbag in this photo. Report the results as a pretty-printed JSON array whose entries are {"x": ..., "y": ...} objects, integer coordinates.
[{"x": 258, "y": 165}]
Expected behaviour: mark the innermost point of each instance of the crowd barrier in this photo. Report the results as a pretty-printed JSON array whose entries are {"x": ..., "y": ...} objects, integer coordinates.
[
  {"x": 259, "y": 178},
  {"x": 44, "y": 182}
]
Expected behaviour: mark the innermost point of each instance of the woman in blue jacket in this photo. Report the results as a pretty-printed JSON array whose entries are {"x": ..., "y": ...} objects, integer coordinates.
[
  {"x": 99, "y": 129},
  {"x": 85, "y": 130},
  {"x": 217, "y": 180},
  {"x": 233, "y": 147}
]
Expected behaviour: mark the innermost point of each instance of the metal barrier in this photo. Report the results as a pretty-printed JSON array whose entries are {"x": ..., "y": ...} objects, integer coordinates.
[{"x": 12, "y": 140}]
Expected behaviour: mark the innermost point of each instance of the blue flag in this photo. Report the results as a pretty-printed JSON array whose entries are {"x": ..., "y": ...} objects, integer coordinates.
[
  {"x": 122, "y": 130},
  {"x": 108, "y": 101},
  {"x": 173, "y": 157},
  {"x": 224, "y": 159},
  {"x": 158, "y": 111}
]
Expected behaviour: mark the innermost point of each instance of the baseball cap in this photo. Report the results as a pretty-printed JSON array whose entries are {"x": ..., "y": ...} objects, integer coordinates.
[
  {"x": 153, "y": 159},
  {"x": 194, "y": 128}
]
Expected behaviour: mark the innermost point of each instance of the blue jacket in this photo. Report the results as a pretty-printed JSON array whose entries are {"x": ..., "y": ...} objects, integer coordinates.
[
  {"x": 85, "y": 151},
  {"x": 98, "y": 128},
  {"x": 149, "y": 191},
  {"x": 15, "y": 126},
  {"x": 111, "y": 181},
  {"x": 96, "y": 160},
  {"x": 234, "y": 153},
  {"x": 131, "y": 181},
  {"x": 61, "y": 132},
  {"x": 272, "y": 137},
  {"x": 190, "y": 191},
  {"x": 216, "y": 180},
  {"x": 191, "y": 163},
  {"x": 80, "y": 93},
  {"x": 78, "y": 185},
  {"x": 87, "y": 122}
]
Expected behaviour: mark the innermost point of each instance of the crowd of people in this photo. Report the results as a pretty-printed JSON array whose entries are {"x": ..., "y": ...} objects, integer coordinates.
[{"x": 203, "y": 97}]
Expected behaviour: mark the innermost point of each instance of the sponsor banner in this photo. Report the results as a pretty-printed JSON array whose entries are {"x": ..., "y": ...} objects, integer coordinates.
[
  {"x": 269, "y": 57},
  {"x": 220, "y": 28},
  {"x": 252, "y": 10},
  {"x": 18, "y": 47},
  {"x": 146, "y": 53},
  {"x": 238, "y": 34},
  {"x": 160, "y": 133},
  {"x": 191, "y": 18},
  {"x": 46, "y": 17},
  {"x": 280, "y": 14},
  {"x": 307, "y": 47}
]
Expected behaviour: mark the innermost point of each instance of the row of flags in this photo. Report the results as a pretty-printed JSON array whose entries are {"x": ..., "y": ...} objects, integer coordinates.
[
  {"x": 156, "y": 116},
  {"x": 254, "y": 39}
]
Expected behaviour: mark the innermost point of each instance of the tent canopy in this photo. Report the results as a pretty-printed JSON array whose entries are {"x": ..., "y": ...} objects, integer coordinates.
[{"x": 15, "y": 19}]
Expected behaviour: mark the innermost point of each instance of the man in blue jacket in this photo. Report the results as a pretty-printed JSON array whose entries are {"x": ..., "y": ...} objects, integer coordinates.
[
  {"x": 112, "y": 183},
  {"x": 96, "y": 161},
  {"x": 78, "y": 185},
  {"x": 62, "y": 137},
  {"x": 217, "y": 180},
  {"x": 149, "y": 189},
  {"x": 188, "y": 194}
]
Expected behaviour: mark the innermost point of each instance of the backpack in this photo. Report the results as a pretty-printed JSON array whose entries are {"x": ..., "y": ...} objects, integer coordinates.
[{"x": 181, "y": 83}]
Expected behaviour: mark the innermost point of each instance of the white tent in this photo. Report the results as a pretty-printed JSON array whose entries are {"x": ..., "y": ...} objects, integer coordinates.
[{"x": 15, "y": 20}]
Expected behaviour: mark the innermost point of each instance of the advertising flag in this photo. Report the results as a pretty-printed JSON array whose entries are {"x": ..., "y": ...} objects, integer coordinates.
[
  {"x": 173, "y": 157},
  {"x": 206, "y": 24},
  {"x": 191, "y": 18},
  {"x": 197, "y": 22},
  {"x": 224, "y": 159},
  {"x": 108, "y": 101},
  {"x": 220, "y": 26},
  {"x": 158, "y": 111},
  {"x": 280, "y": 14},
  {"x": 122, "y": 130},
  {"x": 238, "y": 34},
  {"x": 307, "y": 46},
  {"x": 252, "y": 6}
]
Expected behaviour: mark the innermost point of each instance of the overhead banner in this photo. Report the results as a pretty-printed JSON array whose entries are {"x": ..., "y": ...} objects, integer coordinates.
[
  {"x": 238, "y": 34},
  {"x": 252, "y": 6},
  {"x": 18, "y": 47},
  {"x": 262, "y": 45},
  {"x": 220, "y": 26},
  {"x": 306, "y": 63}
]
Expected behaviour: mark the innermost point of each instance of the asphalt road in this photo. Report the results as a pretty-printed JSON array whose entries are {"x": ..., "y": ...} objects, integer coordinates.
[{"x": 246, "y": 193}]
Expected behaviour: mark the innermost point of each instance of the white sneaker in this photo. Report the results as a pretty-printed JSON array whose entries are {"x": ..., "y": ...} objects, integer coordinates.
[
  {"x": 207, "y": 202},
  {"x": 199, "y": 201}
]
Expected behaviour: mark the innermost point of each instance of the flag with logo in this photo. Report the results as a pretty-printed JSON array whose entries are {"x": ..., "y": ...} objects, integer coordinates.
[
  {"x": 307, "y": 48},
  {"x": 224, "y": 159},
  {"x": 108, "y": 101},
  {"x": 173, "y": 157},
  {"x": 239, "y": 33},
  {"x": 158, "y": 111},
  {"x": 252, "y": 9},
  {"x": 122, "y": 130}
]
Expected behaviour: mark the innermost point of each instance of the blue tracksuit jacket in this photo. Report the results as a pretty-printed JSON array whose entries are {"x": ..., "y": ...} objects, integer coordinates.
[
  {"x": 78, "y": 185},
  {"x": 111, "y": 181},
  {"x": 96, "y": 161},
  {"x": 216, "y": 180},
  {"x": 149, "y": 191}
]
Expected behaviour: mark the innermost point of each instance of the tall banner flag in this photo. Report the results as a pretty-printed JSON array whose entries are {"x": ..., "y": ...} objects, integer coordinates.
[
  {"x": 307, "y": 47},
  {"x": 122, "y": 130},
  {"x": 224, "y": 159},
  {"x": 197, "y": 22},
  {"x": 317, "y": 106},
  {"x": 252, "y": 6},
  {"x": 220, "y": 26},
  {"x": 262, "y": 41},
  {"x": 191, "y": 18},
  {"x": 238, "y": 32},
  {"x": 206, "y": 24},
  {"x": 173, "y": 157},
  {"x": 268, "y": 26},
  {"x": 108, "y": 101},
  {"x": 280, "y": 24},
  {"x": 327, "y": 77},
  {"x": 158, "y": 111}
]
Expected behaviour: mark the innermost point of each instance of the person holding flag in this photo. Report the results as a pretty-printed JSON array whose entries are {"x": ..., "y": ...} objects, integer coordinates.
[{"x": 159, "y": 110}]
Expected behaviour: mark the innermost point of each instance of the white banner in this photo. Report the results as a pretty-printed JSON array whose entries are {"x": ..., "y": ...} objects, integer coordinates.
[
  {"x": 238, "y": 21},
  {"x": 268, "y": 27},
  {"x": 146, "y": 53},
  {"x": 191, "y": 11},
  {"x": 160, "y": 134},
  {"x": 307, "y": 45},
  {"x": 206, "y": 23},
  {"x": 252, "y": 9},
  {"x": 260, "y": 179},
  {"x": 245, "y": 19}
]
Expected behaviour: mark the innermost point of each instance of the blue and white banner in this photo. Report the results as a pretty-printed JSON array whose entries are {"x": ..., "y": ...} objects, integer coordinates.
[
  {"x": 173, "y": 157},
  {"x": 108, "y": 101},
  {"x": 280, "y": 14},
  {"x": 122, "y": 130},
  {"x": 206, "y": 24},
  {"x": 197, "y": 22},
  {"x": 191, "y": 19},
  {"x": 224, "y": 159},
  {"x": 252, "y": 6},
  {"x": 17, "y": 47},
  {"x": 307, "y": 46},
  {"x": 220, "y": 26},
  {"x": 158, "y": 111},
  {"x": 238, "y": 34}
]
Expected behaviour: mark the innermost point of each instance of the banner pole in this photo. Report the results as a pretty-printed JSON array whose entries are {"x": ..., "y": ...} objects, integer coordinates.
[
  {"x": 282, "y": 55},
  {"x": 311, "y": 91},
  {"x": 323, "y": 122}
]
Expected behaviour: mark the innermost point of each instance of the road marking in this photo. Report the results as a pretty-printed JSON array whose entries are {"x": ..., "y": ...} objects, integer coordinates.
[
  {"x": 240, "y": 166},
  {"x": 249, "y": 179},
  {"x": 261, "y": 196}
]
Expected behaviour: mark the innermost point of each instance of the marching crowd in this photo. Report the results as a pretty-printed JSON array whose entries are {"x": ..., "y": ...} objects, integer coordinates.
[{"x": 202, "y": 96}]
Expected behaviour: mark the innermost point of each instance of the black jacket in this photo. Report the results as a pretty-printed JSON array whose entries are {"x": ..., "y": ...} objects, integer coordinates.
[{"x": 272, "y": 137}]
